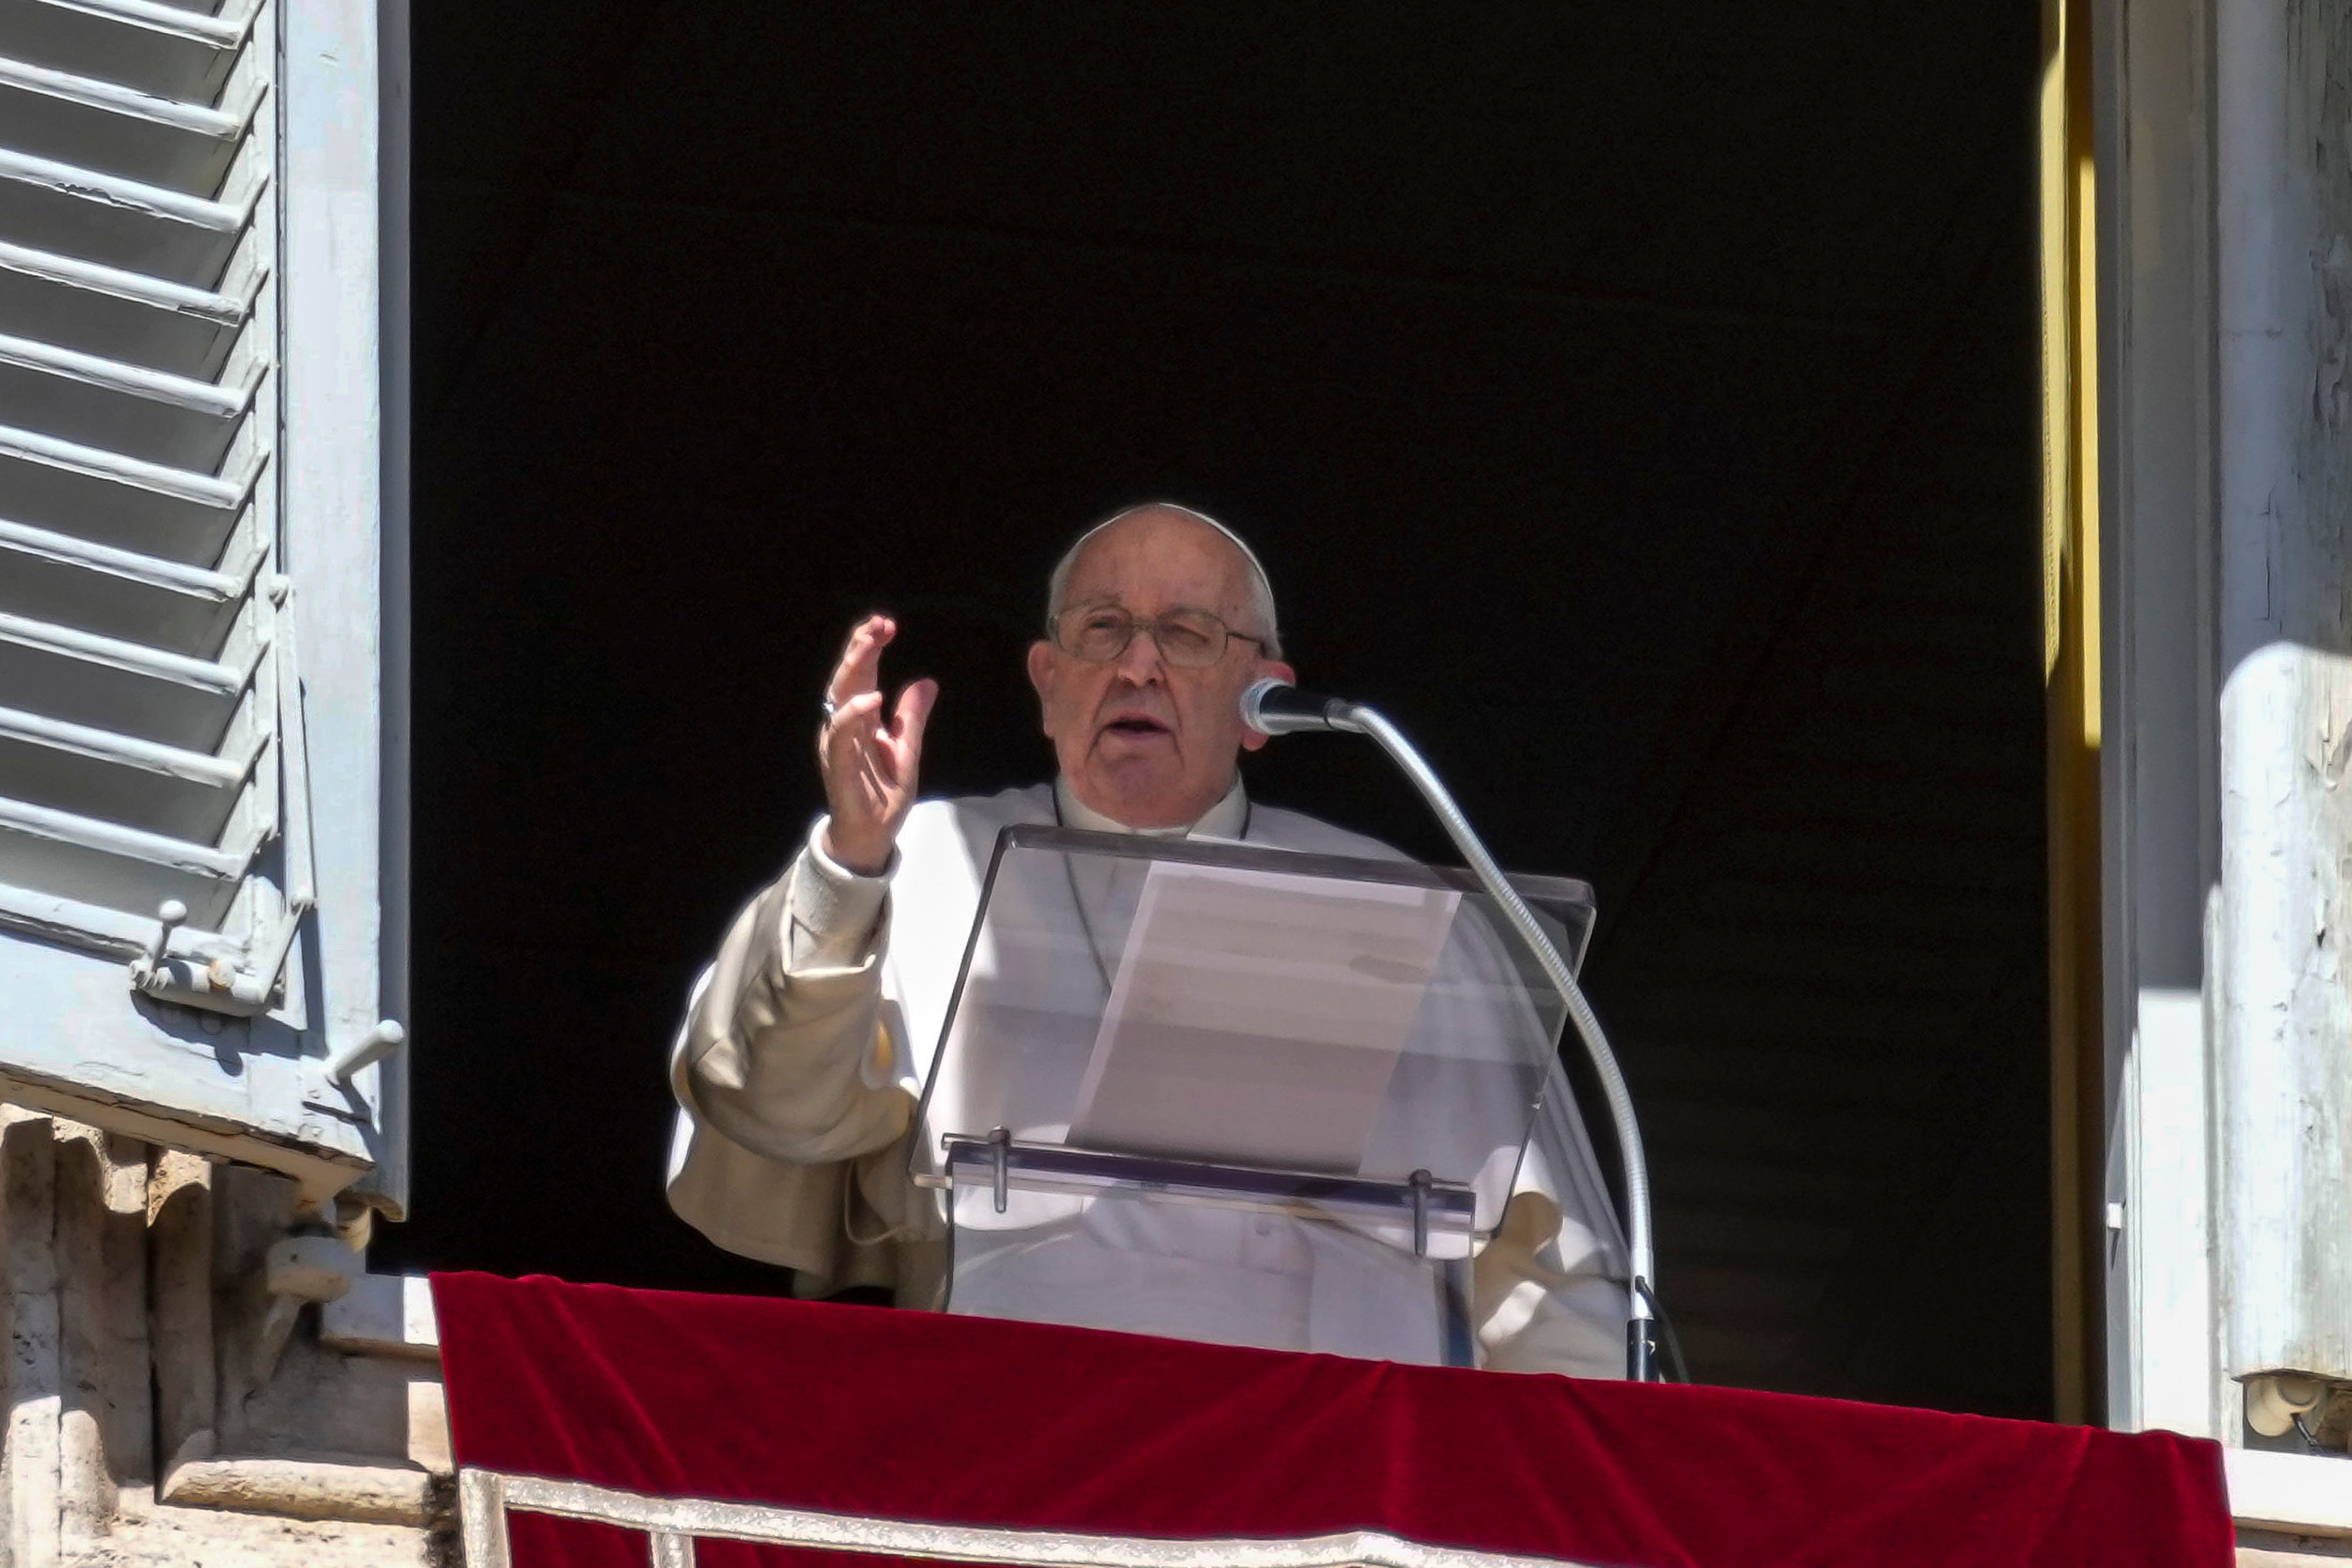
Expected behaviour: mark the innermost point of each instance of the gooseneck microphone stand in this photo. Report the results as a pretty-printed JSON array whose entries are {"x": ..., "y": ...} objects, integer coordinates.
[{"x": 1276, "y": 708}]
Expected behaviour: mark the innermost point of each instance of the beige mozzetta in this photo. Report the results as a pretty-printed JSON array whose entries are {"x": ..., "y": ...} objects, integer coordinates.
[{"x": 808, "y": 1039}]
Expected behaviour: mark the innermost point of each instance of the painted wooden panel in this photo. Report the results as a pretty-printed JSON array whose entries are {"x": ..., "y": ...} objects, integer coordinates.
[{"x": 191, "y": 561}]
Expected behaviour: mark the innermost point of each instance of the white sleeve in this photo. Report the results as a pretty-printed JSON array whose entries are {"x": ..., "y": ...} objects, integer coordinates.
[
  {"x": 1549, "y": 1288},
  {"x": 778, "y": 1047}
]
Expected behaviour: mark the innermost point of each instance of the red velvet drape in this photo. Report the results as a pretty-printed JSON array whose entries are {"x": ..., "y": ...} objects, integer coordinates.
[{"x": 912, "y": 1416}]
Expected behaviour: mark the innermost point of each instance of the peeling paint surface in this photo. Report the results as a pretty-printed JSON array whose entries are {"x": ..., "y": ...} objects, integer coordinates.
[{"x": 2284, "y": 141}]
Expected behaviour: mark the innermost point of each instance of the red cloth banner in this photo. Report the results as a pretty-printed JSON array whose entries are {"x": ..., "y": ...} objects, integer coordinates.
[{"x": 873, "y": 1414}]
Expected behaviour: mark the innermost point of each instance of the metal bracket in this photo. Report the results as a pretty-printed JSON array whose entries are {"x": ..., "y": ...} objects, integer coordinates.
[
  {"x": 1423, "y": 1184},
  {"x": 1000, "y": 1143}
]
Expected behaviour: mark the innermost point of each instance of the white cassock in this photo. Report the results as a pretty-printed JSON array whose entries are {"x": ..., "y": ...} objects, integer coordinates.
[{"x": 805, "y": 1048}]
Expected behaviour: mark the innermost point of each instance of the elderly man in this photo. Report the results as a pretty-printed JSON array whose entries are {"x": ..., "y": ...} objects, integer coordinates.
[{"x": 807, "y": 1041}]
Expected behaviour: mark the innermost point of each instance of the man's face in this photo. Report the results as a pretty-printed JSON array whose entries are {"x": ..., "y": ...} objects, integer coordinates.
[{"x": 1145, "y": 741}]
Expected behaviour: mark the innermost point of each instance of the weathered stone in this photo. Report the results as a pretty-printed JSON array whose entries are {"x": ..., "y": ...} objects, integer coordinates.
[{"x": 124, "y": 1276}]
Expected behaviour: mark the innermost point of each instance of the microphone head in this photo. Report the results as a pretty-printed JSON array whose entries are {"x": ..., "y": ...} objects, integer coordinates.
[
  {"x": 1253, "y": 698},
  {"x": 1272, "y": 707}
]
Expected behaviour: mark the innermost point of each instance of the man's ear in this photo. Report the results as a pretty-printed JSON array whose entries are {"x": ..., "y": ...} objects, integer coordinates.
[
  {"x": 1267, "y": 669},
  {"x": 1040, "y": 676}
]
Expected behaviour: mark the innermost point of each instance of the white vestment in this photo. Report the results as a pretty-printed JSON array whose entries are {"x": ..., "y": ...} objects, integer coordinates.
[{"x": 806, "y": 1046}]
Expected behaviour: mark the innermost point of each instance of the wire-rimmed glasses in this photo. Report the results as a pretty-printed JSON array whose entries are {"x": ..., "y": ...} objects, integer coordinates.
[{"x": 1188, "y": 639}]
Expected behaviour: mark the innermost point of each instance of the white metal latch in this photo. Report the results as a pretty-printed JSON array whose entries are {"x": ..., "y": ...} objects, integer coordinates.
[{"x": 218, "y": 987}]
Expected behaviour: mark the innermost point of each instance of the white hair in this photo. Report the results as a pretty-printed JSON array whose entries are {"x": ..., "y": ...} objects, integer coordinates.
[{"x": 1261, "y": 591}]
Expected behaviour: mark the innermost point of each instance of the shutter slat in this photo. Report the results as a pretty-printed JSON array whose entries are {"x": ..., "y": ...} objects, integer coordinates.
[
  {"x": 120, "y": 222},
  {"x": 118, "y": 129},
  {"x": 205, "y": 490},
  {"x": 203, "y": 398},
  {"x": 125, "y": 316},
  {"x": 64, "y": 88},
  {"x": 118, "y": 593},
  {"x": 214, "y": 587},
  {"x": 72, "y": 831},
  {"x": 128, "y": 780},
  {"x": 211, "y": 677},
  {"x": 163, "y": 49},
  {"x": 104, "y": 746},
  {"x": 174, "y": 420},
  {"x": 126, "y": 502},
  {"x": 225, "y": 25}
]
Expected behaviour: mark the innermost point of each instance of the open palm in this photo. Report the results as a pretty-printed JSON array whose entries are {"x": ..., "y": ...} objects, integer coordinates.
[{"x": 871, "y": 763}]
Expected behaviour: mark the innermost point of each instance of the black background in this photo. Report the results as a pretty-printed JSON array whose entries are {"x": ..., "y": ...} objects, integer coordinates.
[{"x": 1582, "y": 375}]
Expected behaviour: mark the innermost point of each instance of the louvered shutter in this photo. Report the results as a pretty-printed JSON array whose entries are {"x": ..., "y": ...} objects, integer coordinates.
[{"x": 192, "y": 566}]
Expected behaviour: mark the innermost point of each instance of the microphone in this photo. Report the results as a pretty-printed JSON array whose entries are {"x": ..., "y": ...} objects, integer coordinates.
[{"x": 1273, "y": 707}]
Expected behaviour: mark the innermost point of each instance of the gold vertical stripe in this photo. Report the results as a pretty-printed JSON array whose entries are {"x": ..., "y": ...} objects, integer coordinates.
[
  {"x": 2057, "y": 347},
  {"x": 2070, "y": 649},
  {"x": 2082, "y": 609}
]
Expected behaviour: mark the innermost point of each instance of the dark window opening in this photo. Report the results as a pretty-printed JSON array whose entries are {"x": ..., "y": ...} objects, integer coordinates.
[{"x": 1639, "y": 406}]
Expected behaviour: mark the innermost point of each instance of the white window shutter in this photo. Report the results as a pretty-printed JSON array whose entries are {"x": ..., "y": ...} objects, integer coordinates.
[{"x": 192, "y": 570}]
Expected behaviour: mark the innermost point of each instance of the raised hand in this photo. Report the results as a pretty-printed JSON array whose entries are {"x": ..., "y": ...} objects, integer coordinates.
[{"x": 870, "y": 765}]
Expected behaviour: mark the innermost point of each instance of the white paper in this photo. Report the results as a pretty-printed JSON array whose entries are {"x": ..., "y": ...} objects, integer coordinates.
[{"x": 1256, "y": 1017}]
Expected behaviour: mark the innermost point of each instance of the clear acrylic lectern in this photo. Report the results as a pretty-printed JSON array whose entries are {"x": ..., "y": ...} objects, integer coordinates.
[{"x": 1233, "y": 1093}]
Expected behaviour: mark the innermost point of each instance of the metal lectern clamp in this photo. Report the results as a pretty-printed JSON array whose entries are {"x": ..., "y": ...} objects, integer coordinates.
[
  {"x": 1000, "y": 1147},
  {"x": 1423, "y": 1182}
]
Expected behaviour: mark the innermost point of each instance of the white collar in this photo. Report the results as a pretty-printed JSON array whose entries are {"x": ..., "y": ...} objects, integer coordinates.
[{"x": 1226, "y": 819}]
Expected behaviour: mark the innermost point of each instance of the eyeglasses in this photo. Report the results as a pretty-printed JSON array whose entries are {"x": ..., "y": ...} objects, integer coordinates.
[{"x": 1189, "y": 639}]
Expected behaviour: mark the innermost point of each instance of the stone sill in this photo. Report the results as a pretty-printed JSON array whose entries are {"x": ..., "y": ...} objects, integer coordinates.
[{"x": 336, "y": 1488}]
